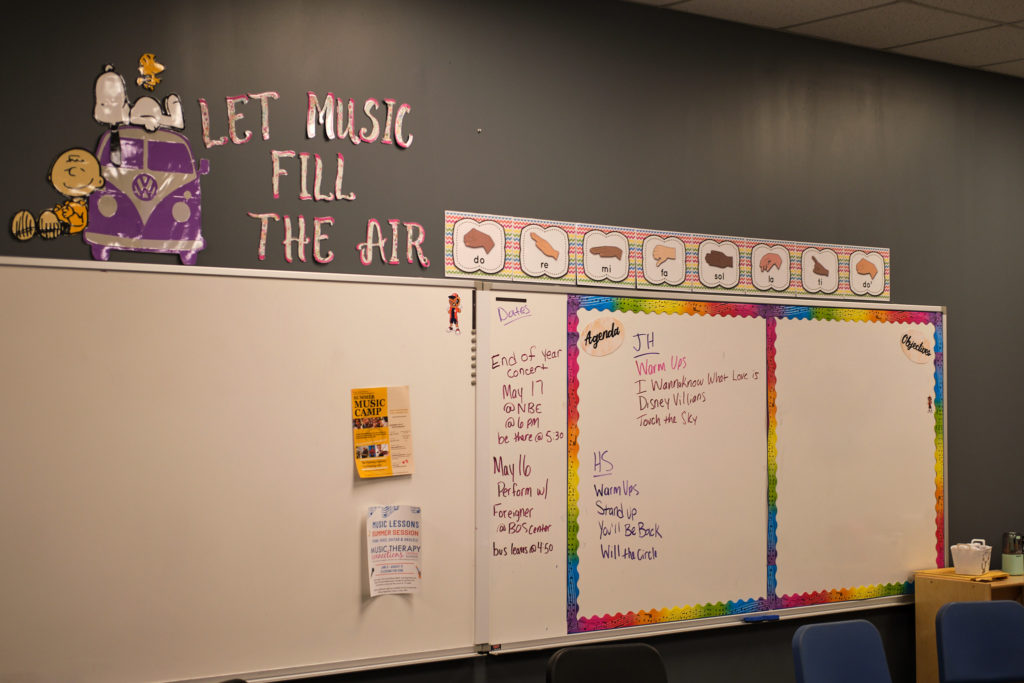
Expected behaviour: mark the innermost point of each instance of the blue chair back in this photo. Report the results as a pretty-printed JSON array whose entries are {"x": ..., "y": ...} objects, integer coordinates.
[
  {"x": 606, "y": 662},
  {"x": 980, "y": 642},
  {"x": 840, "y": 652}
]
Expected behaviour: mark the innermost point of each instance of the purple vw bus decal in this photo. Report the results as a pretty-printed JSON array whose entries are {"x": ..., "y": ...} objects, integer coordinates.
[{"x": 151, "y": 200}]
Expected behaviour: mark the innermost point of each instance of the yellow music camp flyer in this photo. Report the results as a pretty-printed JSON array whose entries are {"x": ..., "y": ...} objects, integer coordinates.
[{"x": 382, "y": 431}]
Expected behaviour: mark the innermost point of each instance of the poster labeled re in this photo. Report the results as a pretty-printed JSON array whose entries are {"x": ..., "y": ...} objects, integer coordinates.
[
  {"x": 393, "y": 549},
  {"x": 382, "y": 431}
]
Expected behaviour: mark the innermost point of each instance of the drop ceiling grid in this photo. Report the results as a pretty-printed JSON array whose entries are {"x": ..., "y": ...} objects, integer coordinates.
[
  {"x": 989, "y": 47},
  {"x": 892, "y": 25},
  {"x": 982, "y": 34}
]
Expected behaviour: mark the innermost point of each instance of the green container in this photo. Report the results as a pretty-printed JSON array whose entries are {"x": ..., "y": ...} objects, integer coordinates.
[
  {"x": 1013, "y": 553},
  {"x": 1013, "y": 564}
]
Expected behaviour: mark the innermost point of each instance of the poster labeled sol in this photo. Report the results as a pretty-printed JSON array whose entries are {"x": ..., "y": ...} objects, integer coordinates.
[{"x": 382, "y": 431}]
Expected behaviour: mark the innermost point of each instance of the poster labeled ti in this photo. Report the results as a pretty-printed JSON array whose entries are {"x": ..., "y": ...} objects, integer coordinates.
[{"x": 382, "y": 431}]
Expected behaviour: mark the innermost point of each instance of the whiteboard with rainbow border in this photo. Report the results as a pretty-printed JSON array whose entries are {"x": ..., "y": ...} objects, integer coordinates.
[{"x": 722, "y": 460}]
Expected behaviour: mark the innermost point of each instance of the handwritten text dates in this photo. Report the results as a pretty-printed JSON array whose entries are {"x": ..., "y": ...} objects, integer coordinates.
[
  {"x": 542, "y": 436},
  {"x": 524, "y": 363},
  {"x": 538, "y": 548},
  {"x": 519, "y": 491}
]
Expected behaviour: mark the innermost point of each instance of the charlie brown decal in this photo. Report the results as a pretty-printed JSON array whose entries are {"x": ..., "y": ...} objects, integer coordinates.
[{"x": 75, "y": 174}]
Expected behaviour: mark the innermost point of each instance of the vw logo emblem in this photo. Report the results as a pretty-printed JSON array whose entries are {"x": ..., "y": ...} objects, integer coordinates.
[{"x": 144, "y": 186}]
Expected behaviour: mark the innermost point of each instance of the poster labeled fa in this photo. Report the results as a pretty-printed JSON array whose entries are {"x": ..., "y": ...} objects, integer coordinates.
[
  {"x": 382, "y": 431},
  {"x": 393, "y": 549}
]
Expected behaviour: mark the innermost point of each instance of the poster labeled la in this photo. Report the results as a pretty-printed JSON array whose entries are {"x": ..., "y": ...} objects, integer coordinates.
[
  {"x": 382, "y": 431},
  {"x": 393, "y": 549}
]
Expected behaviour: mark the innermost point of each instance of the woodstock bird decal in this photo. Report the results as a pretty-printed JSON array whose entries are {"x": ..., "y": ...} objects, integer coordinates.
[{"x": 149, "y": 68}]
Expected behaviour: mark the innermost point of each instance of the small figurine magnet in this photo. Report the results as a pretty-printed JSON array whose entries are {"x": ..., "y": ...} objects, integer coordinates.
[{"x": 453, "y": 313}]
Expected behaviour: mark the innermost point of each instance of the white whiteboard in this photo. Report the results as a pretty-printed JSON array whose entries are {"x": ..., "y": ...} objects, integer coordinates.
[
  {"x": 672, "y": 467},
  {"x": 856, "y": 444},
  {"x": 177, "y": 488},
  {"x": 522, "y": 450},
  {"x": 178, "y": 497},
  {"x": 808, "y": 474}
]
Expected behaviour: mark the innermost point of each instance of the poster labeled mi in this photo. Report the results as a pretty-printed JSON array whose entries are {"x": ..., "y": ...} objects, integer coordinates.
[
  {"x": 382, "y": 431},
  {"x": 393, "y": 549}
]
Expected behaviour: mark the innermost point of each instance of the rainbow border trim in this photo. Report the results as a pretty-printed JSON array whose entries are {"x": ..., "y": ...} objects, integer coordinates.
[{"x": 771, "y": 313}]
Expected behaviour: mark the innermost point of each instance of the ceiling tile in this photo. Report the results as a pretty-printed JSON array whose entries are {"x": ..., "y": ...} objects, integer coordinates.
[
  {"x": 1010, "y": 68},
  {"x": 962, "y": 32},
  {"x": 896, "y": 24},
  {"x": 996, "y": 10},
  {"x": 989, "y": 46},
  {"x": 773, "y": 13}
]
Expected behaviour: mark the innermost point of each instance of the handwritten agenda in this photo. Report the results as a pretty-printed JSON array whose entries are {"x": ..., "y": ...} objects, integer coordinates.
[
  {"x": 669, "y": 392},
  {"x": 620, "y": 518},
  {"x": 663, "y": 423}
]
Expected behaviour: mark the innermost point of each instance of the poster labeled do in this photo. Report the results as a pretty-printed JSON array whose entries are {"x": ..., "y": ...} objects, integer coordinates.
[
  {"x": 393, "y": 549},
  {"x": 382, "y": 431}
]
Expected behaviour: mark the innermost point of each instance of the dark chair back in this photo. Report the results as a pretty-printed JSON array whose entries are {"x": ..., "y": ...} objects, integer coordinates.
[
  {"x": 606, "y": 662},
  {"x": 840, "y": 652},
  {"x": 980, "y": 642}
]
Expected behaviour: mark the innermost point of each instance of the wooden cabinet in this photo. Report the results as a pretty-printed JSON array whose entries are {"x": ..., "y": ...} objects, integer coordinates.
[{"x": 933, "y": 588}]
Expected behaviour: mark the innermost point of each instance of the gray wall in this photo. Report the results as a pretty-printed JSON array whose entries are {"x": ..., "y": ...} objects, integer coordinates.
[{"x": 600, "y": 112}]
